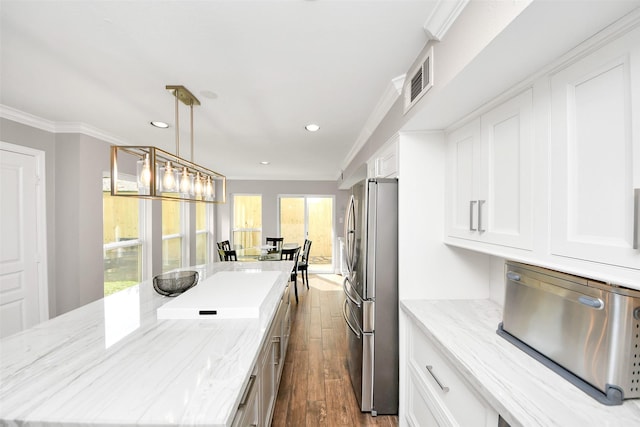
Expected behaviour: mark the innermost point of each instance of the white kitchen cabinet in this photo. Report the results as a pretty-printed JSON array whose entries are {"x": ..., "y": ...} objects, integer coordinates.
[
  {"x": 436, "y": 392},
  {"x": 384, "y": 164},
  {"x": 271, "y": 362},
  {"x": 259, "y": 398},
  {"x": 489, "y": 179},
  {"x": 595, "y": 155}
]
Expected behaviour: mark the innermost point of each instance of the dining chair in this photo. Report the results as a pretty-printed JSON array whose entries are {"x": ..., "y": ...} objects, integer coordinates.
[
  {"x": 303, "y": 265},
  {"x": 230, "y": 255},
  {"x": 292, "y": 255},
  {"x": 225, "y": 245},
  {"x": 275, "y": 241}
]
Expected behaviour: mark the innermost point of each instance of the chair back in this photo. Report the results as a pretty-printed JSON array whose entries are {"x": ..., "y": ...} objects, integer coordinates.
[
  {"x": 291, "y": 255},
  {"x": 275, "y": 241},
  {"x": 225, "y": 245},
  {"x": 305, "y": 251},
  {"x": 230, "y": 255}
]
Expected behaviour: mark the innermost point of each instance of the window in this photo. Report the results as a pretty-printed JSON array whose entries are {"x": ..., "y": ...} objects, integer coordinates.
[
  {"x": 202, "y": 234},
  {"x": 247, "y": 221},
  {"x": 309, "y": 217},
  {"x": 122, "y": 238},
  {"x": 172, "y": 235}
]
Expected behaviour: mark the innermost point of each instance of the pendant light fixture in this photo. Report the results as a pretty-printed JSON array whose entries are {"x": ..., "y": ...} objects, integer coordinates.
[{"x": 162, "y": 175}]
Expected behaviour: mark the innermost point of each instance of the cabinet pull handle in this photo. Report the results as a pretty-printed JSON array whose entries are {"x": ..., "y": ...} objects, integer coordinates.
[
  {"x": 247, "y": 391},
  {"x": 444, "y": 388},
  {"x": 471, "y": 203},
  {"x": 480, "y": 203},
  {"x": 636, "y": 218},
  {"x": 276, "y": 340}
]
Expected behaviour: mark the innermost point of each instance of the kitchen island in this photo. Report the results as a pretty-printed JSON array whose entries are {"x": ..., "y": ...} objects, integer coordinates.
[{"x": 113, "y": 362}]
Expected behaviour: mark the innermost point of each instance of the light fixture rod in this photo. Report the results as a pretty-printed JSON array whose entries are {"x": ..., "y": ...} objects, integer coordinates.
[
  {"x": 191, "y": 106},
  {"x": 177, "y": 126}
]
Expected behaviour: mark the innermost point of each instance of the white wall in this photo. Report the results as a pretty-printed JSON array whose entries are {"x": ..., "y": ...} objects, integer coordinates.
[{"x": 429, "y": 269}]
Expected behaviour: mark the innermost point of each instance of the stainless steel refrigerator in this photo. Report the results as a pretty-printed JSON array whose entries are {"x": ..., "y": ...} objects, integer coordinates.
[{"x": 371, "y": 294}]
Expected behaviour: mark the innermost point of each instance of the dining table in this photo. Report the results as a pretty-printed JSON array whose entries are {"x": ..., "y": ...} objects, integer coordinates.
[{"x": 263, "y": 252}]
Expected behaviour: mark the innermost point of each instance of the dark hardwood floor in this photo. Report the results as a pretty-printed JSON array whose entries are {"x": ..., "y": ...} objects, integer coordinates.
[{"x": 315, "y": 389}]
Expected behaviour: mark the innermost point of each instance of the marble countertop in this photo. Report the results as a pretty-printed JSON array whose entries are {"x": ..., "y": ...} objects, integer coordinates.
[
  {"x": 522, "y": 390},
  {"x": 112, "y": 362}
]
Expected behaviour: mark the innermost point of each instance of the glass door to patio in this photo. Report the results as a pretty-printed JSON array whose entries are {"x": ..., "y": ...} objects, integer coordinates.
[{"x": 309, "y": 217}]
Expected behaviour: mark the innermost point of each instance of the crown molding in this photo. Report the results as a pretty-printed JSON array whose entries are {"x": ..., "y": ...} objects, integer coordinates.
[
  {"x": 386, "y": 101},
  {"x": 33, "y": 121},
  {"x": 442, "y": 16}
]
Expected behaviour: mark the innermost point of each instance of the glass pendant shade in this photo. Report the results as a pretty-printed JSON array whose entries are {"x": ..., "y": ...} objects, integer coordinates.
[
  {"x": 185, "y": 181},
  {"x": 162, "y": 175}
]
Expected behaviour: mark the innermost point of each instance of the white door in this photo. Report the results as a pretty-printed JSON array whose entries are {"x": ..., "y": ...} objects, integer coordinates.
[{"x": 23, "y": 292}]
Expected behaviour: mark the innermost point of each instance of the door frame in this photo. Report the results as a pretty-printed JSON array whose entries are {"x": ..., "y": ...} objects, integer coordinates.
[
  {"x": 334, "y": 250},
  {"x": 41, "y": 223}
]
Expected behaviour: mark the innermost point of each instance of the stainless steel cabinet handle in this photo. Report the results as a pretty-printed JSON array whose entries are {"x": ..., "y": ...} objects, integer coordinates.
[
  {"x": 471, "y": 204},
  {"x": 276, "y": 340},
  {"x": 636, "y": 218},
  {"x": 480, "y": 203},
  {"x": 591, "y": 302},
  {"x": 247, "y": 391},
  {"x": 443, "y": 387},
  {"x": 513, "y": 276}
]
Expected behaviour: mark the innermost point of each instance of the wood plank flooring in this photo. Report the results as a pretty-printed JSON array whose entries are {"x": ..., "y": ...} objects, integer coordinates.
[{"x": 315, "y": 389}]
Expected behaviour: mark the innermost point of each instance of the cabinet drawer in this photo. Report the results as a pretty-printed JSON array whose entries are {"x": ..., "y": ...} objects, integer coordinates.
[
  {"x": 419, "y": 412},
  {"x": 446, "y": 384}
]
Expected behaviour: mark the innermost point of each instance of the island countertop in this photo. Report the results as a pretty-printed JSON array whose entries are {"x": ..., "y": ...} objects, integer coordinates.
[
  {"x": 521, "y": 389},
  {"x": 113, "y": 362}
]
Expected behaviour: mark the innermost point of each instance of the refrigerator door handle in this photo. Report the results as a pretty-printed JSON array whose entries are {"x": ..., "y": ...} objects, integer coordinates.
[
  {"x": 349, "y": 233},
  {"x": 346, "y": 319},
  {"x": 347, "y": 292}
]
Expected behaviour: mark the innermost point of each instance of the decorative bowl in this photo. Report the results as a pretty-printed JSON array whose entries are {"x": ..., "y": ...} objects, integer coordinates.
[{"x": 174, "y": 283}]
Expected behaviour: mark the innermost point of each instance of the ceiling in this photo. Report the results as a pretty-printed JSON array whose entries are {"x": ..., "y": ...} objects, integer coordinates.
[{"x": 261, "y": 69}]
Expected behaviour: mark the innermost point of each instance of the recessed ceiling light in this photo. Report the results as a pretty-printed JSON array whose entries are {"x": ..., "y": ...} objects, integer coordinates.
[
  {"x": 209, "y": 94},
  {"x": 312, "y": 127},
  {"x": 161, "y": 125},
  {"x": 264, "y": 162}
]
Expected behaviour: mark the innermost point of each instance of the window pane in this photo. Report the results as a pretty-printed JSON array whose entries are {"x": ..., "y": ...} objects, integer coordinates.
[
  {"x": 320, "y": 231},
  {"x": 172, "y": 247},
  {"x": 201, "y": 248},
  {"x": 119, "y": 218},
  {"x": 246, "y": 239},
  {"x": 201, "y": 216},
  {"x": 247, "y": 221},
  {"x": 202, "y": 234},
  {"x": 292, "y": 219},
  {"x": 121, "y": 224},
  {"x": 247, "y": 212},
  {"x": 170, "y": 217},
  {"x": 122, "y": 268},
  {"x": 171, "y": 253}
]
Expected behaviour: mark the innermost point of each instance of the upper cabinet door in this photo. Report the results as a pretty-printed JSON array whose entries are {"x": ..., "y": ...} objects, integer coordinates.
[
  {"x": 505, "y": 198},
  {"x": 489, "y": 178},
  {"x": 463, "y": 164},
  {"x": 595, "y": 155}
]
